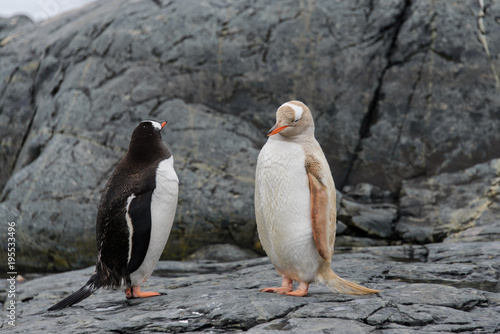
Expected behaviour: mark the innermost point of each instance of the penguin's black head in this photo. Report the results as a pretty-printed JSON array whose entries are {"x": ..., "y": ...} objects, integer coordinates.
[
  {"x": 146, "y": 140},
  {"x": 148, "y": 130}
]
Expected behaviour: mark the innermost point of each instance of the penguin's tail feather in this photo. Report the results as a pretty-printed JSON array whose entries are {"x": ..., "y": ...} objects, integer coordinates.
[
  {"x": 338, "y": 284},
  {"x": 79, "y": 295}
]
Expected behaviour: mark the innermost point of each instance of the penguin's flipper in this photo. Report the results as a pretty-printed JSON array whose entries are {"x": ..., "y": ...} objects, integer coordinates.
[
  {"x": 79, "y": 295},
  {"x": 139, "y": 212},
  {"x": 319, "y": 216}
]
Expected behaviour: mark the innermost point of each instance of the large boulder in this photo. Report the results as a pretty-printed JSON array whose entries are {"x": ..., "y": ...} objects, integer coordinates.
[
  {"x": 381, "y": 77},
  {"x": 437, "y": 107},
  {"x": 452, "y": 207}
]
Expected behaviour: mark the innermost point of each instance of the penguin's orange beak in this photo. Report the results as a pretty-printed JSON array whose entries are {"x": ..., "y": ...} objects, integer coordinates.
[
  {"x": 276, "y": 129},
  {"x": 163, "y": 124}
]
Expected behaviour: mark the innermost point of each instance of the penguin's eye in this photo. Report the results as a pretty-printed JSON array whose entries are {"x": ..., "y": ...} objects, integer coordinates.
[{"x": 296, "y": 120}]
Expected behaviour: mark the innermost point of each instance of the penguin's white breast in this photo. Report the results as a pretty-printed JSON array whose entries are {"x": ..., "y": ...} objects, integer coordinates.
[
  {"x": 285, "y": 210},
  {"x": 164, "y": 200},
  {"x": 163, "y": 207}
]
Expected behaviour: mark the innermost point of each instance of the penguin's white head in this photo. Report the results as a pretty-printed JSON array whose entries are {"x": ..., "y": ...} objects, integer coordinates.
[{"x": 293, "y": 118}]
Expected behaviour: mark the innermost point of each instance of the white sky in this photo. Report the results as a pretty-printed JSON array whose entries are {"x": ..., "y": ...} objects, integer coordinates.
[{"x": 39, "y": 10}]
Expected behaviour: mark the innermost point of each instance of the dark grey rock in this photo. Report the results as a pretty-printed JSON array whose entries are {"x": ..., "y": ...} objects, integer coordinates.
[
  {"x": 341, "y": 227},
  {"x": 222, "y": 253},
  {"x": 356, "y": 309},
  {"x": 448, "y": 205},
  {"x": 60, "y": 190},
  {"x": 433, "y": 112},
  {"x": 439, "y": 295},
  {"x": 16, "y": 113},
  {"x": 477, "y": 233},
  {"x": 455, "y": 252},
  {"x": 481, "y": 276},
  {"x": 405, "y": 254},
  {"x": 312, "y": 325},
  {"x": 350, "y": 241},
  {"x": 223, "y": 297},
  {"x": 367, "y": 193},
  {"x": 182, "y": 268},
  {"x": 365, "y": 212},
  {"x": 373, "y": 219}
]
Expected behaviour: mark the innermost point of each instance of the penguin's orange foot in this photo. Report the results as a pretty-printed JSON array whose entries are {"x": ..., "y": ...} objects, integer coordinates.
[
  {"x": 286, "y": 286},
  {"x": 277, "y": 290},
  {"x": 135, "y": 292},
  {"x": 301, "y": 290},
  {"x": 296, "y": 293}
]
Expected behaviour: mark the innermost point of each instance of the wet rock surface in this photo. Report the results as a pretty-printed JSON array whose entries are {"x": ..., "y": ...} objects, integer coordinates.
[
  {"x": 221, "y": 253},
  {"x": 436, "y": 288}
]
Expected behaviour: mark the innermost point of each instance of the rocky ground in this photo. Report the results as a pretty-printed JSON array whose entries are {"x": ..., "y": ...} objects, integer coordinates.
[{"x": 436, "y": 288}]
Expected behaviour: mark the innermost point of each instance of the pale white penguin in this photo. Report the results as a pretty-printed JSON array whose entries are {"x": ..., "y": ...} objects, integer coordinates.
[{"x": 295, "y": 205}]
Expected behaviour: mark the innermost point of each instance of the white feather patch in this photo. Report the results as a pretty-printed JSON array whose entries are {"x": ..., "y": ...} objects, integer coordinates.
[
  {"x": 298, "y": 110},
  {"x": 130, "y": 227},
  {"x": 155, "y": 124}
]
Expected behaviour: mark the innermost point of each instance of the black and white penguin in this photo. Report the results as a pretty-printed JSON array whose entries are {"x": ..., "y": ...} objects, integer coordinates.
[{"x": 135, "y": 216}]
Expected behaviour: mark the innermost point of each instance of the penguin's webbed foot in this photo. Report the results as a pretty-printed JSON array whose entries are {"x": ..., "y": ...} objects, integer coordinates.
[
  {"x": 286, "y": 287},
  {"x": 283, "y": 290},
  {"x": 135, "y": 292},
  {"x": 301, "y": 290}
]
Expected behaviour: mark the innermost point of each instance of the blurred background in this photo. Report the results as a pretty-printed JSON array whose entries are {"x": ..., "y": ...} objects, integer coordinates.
[{"x": 405, "y": 96}]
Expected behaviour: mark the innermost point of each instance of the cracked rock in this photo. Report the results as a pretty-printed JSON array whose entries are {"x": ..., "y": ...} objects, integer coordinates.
[
  {"x": 438, "y": 106},
  {"x": 456, "y": 206},
  {"x": 367, "y": 209}
]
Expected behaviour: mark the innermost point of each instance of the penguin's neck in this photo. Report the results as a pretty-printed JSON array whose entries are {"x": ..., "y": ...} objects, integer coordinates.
[
  {"x": 147, "y": 151},
  {"x": 302, "y": 138}
]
